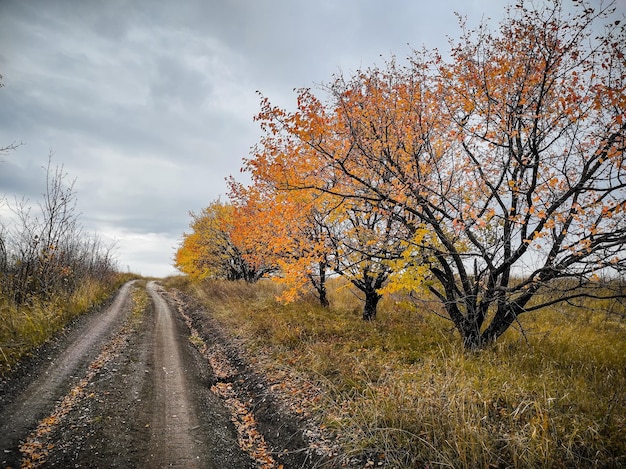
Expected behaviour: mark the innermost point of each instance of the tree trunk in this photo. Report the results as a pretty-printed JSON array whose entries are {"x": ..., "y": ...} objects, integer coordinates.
[
  {"x": 371, "y": 303},
  {"x": 323, "y": 297},
  {"x": 3, "y": 257},
  {"x": 473, "y": 339},
  {"x": 501, "y": 322},
  {"x": 321, "y": 287}
]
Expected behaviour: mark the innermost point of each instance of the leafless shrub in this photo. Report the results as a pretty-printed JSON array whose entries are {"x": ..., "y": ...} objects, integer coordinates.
[{"x": 46, "y": 252}]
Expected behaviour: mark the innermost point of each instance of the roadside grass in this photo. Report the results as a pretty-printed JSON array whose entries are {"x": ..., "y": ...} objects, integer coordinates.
[
  {"x": 25, "y": 327},
  {"x": 400, "y": 390}
]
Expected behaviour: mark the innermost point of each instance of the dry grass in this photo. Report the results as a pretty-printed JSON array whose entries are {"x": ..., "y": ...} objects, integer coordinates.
[
  {"x": 401, "y": 390},
  {"x": 25, "y": 327}
]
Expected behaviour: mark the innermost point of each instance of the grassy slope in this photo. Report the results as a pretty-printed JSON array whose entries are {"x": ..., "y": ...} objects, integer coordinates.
[{"x": 401, "y": 390}]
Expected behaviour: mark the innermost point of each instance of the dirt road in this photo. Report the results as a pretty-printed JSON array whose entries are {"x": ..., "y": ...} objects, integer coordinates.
[
  {"x": 54, "y": 377},
  {"x": 124, "y": 388},
  {"x": 149, "y": 381},
  {"x": 172, "y": 441}
]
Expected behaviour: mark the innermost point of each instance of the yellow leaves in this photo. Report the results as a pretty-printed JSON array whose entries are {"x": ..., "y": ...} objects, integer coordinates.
[
  {"x": 513, "y": 185},
  {"x": 218, "y": 246},
  {"x": 584, "y": 245},
  {"x": 553, "y": 183},
  {"x": 468, "y": 106},
  {"x": 550, "y": 224},
  {"x": 409, "y": 279},
  {"x": 50, "y": 421},
  {"x": 411, "y": 271},
  {"x": 481, "y": 223},
  {"x": 35, "y": 454},
  {"x": 612, "y": 209}
]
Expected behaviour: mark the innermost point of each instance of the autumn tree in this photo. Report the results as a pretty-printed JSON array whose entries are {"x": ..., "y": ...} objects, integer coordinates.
[
  {"x": 309, "y": 236},
  {"x": 309, "y": 252},
  {"x": 352, "y": 236},
  {"x": 249, "y": 234},
  {"x": 505, "y": 163},
  {"x": 209, "y": 251},
  {"x": 364, "y": 241},
  {"x": 284, "y": 227}
]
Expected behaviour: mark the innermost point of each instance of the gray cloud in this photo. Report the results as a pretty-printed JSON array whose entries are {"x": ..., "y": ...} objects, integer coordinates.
[{"x": 150, "y": 104}]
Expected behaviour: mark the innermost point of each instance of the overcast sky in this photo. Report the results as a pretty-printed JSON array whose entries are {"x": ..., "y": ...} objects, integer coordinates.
[{"x": 149, "y": 105}]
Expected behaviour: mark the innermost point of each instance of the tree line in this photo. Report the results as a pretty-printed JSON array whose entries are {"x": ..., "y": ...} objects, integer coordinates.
[{"x": 489, "y": 177}]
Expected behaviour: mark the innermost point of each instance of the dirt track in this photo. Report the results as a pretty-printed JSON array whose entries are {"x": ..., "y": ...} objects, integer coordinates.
[
  {"x": 116, "y": 393},
  {"x": 172, "y": 442},
  {"x": 127, "y": 388}
]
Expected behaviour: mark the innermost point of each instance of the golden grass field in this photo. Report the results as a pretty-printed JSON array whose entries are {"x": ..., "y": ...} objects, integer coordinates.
[{"x": 401, "y": 389}]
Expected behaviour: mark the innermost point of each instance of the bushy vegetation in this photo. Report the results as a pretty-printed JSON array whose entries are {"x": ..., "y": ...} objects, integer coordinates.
[
  {"x": 399, "y": 390},
  {"x": 50, "y": 269}
]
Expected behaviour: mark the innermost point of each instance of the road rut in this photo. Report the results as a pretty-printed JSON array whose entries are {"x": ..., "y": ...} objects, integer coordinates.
[{"x": 173, "y": 443}]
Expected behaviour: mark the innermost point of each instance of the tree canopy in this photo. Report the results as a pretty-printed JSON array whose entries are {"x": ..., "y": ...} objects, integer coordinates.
[
  {"x": 210, "y": 251},
  {"x": 504, "y": 163},
  {"x": 489, "y": 176}
]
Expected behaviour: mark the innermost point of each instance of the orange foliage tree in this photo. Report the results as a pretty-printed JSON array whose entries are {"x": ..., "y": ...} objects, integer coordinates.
[
  {"x": 211, "y": 251},
  {"x": 286, "y": 227},
  {"x": 364, "y": 241},
  {"x": 504, "y": 164},
  {"x": 347, "y": 233}
]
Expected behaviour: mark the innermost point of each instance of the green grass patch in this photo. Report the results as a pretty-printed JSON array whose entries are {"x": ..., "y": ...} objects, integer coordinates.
[{"x": 402, "y": 390}]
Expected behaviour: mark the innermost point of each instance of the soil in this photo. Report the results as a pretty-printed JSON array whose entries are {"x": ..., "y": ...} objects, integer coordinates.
[{"x": 162, "y": 387}]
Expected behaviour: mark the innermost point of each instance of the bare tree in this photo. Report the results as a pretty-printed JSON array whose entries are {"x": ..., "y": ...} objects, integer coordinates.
[
  {"x": 48, "y": 253},
  {"x": 3, "y": 251}
]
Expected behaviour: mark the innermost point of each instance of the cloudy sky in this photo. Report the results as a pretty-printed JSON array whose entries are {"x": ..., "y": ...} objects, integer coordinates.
[{"x": 149, "y": 104}]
